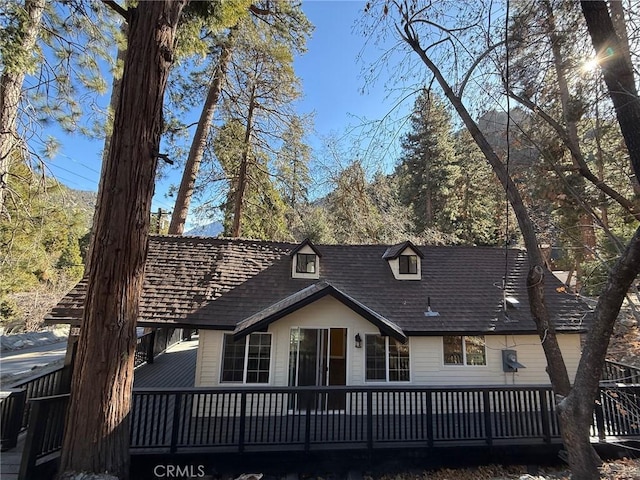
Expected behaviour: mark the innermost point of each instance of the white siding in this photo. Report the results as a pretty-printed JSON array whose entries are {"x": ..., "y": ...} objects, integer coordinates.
[
  {"x": 209, "y": 356},
  {"x": 395, "y": 266},
  {"x": 427, "y": 366}
]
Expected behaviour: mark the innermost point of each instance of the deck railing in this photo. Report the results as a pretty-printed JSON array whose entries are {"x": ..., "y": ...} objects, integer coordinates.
[
  {"x": 16, "y": 410},
  {"x": 620, "y": 373},
  {"x": 144, "y": 349},
  {"x": 305, "y": 418},
  {"x": 308, "y": 418},
  {"x": 11, "y": 414},
  {"x": 42, "y": 385},
  {"x": 44, "y": 435}
]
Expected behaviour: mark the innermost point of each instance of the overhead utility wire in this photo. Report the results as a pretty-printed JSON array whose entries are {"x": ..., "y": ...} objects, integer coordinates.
[{"x": 508, "y": 153}]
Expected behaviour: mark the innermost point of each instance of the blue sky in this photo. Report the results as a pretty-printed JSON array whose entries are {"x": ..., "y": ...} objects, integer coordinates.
[{"x": 332, "y": 88}]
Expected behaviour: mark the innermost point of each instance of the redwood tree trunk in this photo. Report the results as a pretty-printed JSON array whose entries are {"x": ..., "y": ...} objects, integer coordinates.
[
  {"x": 97, "y": 426},
  {"x": 11, "y": 89},
  {"x": 191, "y": 168}
]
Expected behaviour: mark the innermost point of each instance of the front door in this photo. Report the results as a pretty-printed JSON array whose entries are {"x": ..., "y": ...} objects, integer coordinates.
[{"x": 317, "y": 357}]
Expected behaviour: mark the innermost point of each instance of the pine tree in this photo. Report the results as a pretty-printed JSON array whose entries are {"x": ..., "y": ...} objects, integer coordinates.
[
  {"x": 292, "y": 165},
  {"x": 427, "y": 169},
  {"x": 258, "y": 108}
]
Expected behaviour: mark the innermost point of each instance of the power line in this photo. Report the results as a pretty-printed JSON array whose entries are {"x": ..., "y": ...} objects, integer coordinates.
[{"x": 92, "y": 180}]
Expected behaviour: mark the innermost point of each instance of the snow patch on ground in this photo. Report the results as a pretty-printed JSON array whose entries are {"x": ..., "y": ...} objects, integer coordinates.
[{"x": 18, "y": 341}]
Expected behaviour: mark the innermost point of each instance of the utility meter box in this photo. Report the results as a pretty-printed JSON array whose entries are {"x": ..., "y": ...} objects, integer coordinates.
[{"x": 510, "y": 361}]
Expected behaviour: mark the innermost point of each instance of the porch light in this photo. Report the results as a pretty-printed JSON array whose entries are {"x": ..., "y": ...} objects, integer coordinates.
[{"x": 358, "y": 341}]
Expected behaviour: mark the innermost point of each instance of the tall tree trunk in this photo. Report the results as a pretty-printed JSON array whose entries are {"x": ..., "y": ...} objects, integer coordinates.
[
  {"x": 618, "y": 75},
  {"x": 571, "y": 118},
  {"x": 620, "y": 26},
  {"x": 96, "y": 435},
  {"x": 10, "y": 92},
  {"x": 556, "y": 368},
  {"x": 576, "y": 409},
  {"x": 576, "y": 405},
  {"x": 242, "y": 181},
  {"x": 199, "y": 142}
]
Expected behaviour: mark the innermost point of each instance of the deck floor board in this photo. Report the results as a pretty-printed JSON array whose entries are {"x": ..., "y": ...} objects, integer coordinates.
[{"x": 175, "y": 368}]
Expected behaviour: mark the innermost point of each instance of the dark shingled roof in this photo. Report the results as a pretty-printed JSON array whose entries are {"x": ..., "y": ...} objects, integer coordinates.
[
  {"x": 219, "y": 283},
  {"x": 307, "y": 296},
  {"x": 394, "y": 251}
]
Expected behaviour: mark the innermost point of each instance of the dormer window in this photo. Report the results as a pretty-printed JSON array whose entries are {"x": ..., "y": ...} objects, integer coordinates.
[
  {"x": 408, "y": 264},
  {"x": 405, "y": 261},
  {"x": 306, "y": 263}
]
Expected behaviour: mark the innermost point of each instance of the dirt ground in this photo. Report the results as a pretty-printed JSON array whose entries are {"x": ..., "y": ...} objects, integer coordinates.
[
  {"x": 624, "y": 346},
  {"x": 623, "y": 469}
]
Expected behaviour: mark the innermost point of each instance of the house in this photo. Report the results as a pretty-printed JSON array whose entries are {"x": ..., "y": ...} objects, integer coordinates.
[{"x": 280, "y": 314}]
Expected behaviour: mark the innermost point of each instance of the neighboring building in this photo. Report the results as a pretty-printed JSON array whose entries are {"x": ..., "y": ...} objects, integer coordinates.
[{"x": 279, "y": 314}]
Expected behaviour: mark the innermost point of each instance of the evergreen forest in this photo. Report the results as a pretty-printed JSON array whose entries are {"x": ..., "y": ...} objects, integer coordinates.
[
  {"x": 514, "y": 124},
  {"x": 248, "y": 163}
]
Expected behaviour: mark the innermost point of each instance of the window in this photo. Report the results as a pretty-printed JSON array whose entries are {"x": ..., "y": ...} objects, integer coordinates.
[
  {"x": 386, "y": 359},
  {"x": 464, "y": 350},
  {"x": 258, "y": 358},
  {"x": 306, "y": 263},
  {"x": 247, "y": 360},
  {"x": 376, "y": 357},
  {"x": 408, "y": 264},
  {"x": 232, "y": 360}
]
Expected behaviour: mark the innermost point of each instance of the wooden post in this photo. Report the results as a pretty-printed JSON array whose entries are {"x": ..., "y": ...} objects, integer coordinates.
[
  {"x": 369, "y": 421},
  {"x": 487, "y": 417},
  {"x": 243, "y": 421},
  {"x": 545, "y": 412},
  {"x": 307, "y": 424},
  {"x": 69, "y": 360},
  {"x": 175, "y": 425},
  {"x": 150, "y": 346},
  {"x": 430, "y": 435},
  {"x": 599, "y": 413}
]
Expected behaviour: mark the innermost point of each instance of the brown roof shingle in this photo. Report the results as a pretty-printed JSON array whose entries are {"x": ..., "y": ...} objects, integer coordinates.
[{"x": 218, "y": 283}]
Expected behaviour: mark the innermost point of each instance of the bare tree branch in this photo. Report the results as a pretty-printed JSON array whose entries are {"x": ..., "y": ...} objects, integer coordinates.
[{"x": 116, "y": 7}]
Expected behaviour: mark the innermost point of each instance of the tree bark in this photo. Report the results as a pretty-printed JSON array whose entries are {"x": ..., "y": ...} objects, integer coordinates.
[
  {"x": 556, "y": 368},
  {"x": 97, "y": 425},
  {"x": 618, "y": 75},
  {"x": 571, "y": 118},
  {"x": 577, "y": 408},
  {"x": 199, "y": 142},
  {"x": 241, "y": 186},
  {"x": 576, "y": 405},
  {"x": 620, "y": 26},
  {"x": 10, "y": 92}
]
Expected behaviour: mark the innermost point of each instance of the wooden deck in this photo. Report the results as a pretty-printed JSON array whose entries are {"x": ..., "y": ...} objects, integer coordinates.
[
  {"x": 175, "y": 368},
  {"x": 170, "y": 416}
]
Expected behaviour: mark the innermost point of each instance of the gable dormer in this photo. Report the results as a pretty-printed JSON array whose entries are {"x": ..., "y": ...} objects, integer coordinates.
[
  {"x": 305, "y": 260},
  {"x": 405, "y": 261}
]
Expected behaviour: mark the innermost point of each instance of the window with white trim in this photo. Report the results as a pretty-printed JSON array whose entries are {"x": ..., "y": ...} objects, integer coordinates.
[
  {"x": 306, "y": 263},
  {"x": 408, "y": 264},
  {"x": 247, "y": 360},
  {"x": 464, "y": 350},
  {"x": 387, "y": 360}
]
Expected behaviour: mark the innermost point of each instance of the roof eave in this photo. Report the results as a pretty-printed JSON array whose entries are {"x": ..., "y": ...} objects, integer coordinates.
[{"x": 385, "y": 326}]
